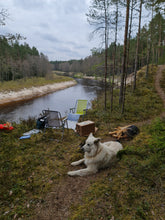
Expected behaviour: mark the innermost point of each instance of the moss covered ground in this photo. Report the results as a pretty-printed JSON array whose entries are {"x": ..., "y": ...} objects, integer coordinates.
[{"x": 133, "y": 188}]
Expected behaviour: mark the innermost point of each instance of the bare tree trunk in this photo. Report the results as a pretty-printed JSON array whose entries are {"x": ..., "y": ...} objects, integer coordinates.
[
  {"x": 106, "y": 55},
  {"x": 137, "y": 47},
  {"x": 114, "y": 55},
  {"x": 160, "y": 39},
  {"x": 121, "y": 96},
  {"x": 129, "y": 35},
  {"x": 149, "y": 48},
  {"x": 128, "y": 47}
]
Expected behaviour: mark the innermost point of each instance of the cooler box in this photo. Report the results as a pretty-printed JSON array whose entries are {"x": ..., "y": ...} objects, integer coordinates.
[{"x": 85, "y": 128}]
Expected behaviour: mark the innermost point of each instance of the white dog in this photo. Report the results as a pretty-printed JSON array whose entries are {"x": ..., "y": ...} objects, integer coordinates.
[{"x": 97, "y": 155}]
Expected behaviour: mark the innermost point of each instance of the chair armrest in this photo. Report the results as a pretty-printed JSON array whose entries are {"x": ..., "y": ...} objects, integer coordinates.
[
  {"x": 72, "y": 110},
  {"x": 64, "y": 118},
  {"x": 64, "y": 121},
  {"x": 45, "y": 112},
  {"x": 85, "y": 111}
]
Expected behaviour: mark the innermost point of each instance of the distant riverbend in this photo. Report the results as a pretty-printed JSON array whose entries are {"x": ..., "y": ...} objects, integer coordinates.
[{"x": 33, "y": 92}]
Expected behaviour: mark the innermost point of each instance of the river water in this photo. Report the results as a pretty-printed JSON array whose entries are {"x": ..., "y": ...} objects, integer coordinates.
[{"x": 61, "y": 101}]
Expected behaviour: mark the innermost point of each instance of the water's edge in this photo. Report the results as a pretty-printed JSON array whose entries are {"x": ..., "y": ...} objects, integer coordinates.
[
  {"x": 60, "y": 100},
  {"x": 33, "y": 92}
]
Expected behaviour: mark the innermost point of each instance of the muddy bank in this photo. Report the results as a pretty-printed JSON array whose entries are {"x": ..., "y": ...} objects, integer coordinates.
[{"x": 30, "y": 93}]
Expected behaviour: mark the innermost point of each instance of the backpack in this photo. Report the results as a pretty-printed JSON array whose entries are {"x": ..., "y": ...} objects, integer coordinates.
[{"x": 41, "y": 122}]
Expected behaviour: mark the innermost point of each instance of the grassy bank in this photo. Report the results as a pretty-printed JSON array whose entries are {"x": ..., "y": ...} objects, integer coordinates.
[
  {"x": 133, "y": 188},
  {"x": 141, "y": 105},
  {"x": 32, "y": 82},
  {"x": 29, "y": 168}
]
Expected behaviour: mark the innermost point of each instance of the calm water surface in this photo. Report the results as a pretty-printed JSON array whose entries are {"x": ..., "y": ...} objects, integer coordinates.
[{"x": 61, "y": 101}]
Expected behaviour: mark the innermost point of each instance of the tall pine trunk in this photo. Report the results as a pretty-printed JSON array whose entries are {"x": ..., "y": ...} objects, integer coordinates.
[
  {"x": 121, "y": 95},
  {"x": 150, "y": 46},
  {"x": 130, "y": 31},
  {"x": 106, "y": 55},
  {"x": 114, "y": 56},
  {"x": 137, "y": 46}
]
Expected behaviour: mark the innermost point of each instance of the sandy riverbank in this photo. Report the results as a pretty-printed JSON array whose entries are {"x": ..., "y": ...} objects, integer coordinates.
[
  {"x": 30, "y": 93},
  {"x": 117, "y": 80},
  {"x": 33, "y": 92}
]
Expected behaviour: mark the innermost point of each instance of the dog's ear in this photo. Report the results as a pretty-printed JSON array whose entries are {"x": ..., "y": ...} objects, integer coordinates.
[
  {"x": 97, "y": 141},
  {"x": 90, "y": 135}
]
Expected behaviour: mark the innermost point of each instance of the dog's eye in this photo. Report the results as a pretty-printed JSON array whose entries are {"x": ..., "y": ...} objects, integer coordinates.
[{"x": 88, "y": 145}]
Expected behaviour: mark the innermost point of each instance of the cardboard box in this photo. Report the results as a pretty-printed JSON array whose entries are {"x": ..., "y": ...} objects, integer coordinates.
[{"x": 85, "y": 128}]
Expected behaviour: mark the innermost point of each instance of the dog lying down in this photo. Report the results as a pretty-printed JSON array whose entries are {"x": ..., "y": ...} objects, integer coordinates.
[{"x": 97, "y": 156}]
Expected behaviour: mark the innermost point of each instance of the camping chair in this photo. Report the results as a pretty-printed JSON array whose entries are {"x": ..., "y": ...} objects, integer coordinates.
[
  {"x": 74, "y": 115},
  {"x": 72, "y": 120},
  {"x": 80, "y": 107},
  {"x": 54, "y": 120}
]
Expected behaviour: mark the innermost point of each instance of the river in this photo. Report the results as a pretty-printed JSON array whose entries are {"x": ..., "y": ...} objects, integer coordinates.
[{"x": 61, "y": 101}]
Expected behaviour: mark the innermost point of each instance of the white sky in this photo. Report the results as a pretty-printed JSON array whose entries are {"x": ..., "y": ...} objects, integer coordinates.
[{"x": 57, "y": 28}]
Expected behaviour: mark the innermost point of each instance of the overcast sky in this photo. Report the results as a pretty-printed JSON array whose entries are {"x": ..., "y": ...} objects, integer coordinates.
[{"x": 57, "y": 28}]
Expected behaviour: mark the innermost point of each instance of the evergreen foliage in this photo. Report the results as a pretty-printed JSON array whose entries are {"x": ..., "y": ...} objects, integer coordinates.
[
  {"x": 94, "y": 64},
  {"x": 20, "y": 61}
]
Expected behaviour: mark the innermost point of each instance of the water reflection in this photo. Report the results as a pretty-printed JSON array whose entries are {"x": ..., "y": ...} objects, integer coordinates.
[{"x": 61, "y": 101}]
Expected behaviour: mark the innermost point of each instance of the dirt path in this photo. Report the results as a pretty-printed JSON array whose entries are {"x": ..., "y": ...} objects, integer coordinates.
[
  {"x": 63, "y": 195},
  {"x": 70, "y": 190},
  {"x": 160, "y": 92}
]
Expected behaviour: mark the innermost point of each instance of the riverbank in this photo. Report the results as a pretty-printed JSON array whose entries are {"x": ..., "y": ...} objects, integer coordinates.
[{"x": 33, "y": 92}]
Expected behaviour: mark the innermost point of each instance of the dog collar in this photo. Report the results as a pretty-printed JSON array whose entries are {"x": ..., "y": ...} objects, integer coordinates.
[{"x": 97, "y": 152}]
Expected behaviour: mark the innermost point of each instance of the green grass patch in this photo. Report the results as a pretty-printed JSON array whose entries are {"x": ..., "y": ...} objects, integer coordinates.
[
  {"x": 32, "y": 82},
  {"x": 30, "y": 167},
  {"x": 134, "y": 188}
]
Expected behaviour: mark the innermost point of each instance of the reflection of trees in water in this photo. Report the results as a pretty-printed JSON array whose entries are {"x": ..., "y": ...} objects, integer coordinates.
[
  {"x": 91, "y": 86},
  {"x": 60, "y": 100},
  {"x": 91, "y": 83}
]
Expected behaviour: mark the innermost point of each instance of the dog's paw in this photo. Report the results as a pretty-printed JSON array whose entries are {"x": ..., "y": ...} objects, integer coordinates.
[
  {"x": 74, "y": 163},
  {"x": 70, "y": 173}
]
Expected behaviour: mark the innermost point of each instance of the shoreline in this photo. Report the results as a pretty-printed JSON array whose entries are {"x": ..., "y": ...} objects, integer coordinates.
[{"x": 33, "y": 92}]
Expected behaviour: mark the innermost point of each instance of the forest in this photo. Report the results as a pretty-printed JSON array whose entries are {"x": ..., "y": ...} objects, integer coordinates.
[
  {"x": 19, "y": 60},
  {"x": 142, "y": 45},
  {"x": 151, "y": 46}
]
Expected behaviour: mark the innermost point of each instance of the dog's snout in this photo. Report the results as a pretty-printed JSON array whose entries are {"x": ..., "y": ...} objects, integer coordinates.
[{"x": 82, "y": 146}]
